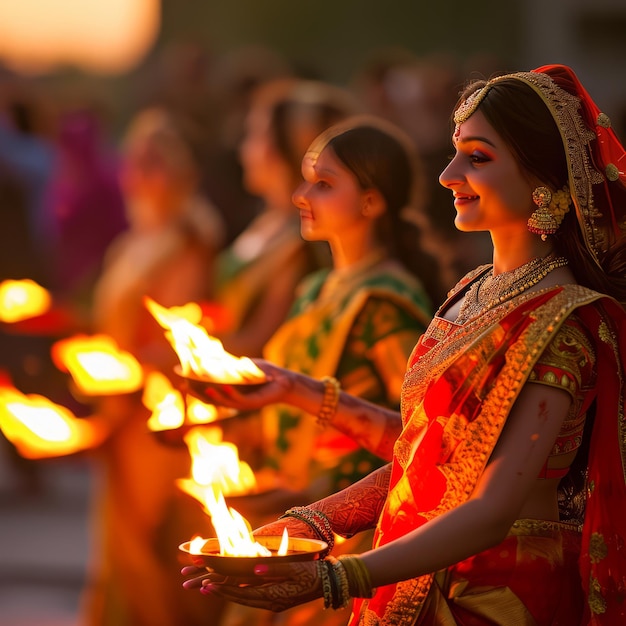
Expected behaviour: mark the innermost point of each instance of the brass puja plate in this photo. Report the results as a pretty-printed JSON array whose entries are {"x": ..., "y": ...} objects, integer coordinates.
[{"x": 298, "y": 549}]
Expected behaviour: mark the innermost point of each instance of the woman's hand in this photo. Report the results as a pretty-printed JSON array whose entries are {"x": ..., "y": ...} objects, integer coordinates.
[
  {"x": 272, "y": 587},
  {"x": 279, "y": 382}
]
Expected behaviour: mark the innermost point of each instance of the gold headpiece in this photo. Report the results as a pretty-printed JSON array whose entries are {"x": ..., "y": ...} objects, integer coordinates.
[{"x": 577, "y": 138}]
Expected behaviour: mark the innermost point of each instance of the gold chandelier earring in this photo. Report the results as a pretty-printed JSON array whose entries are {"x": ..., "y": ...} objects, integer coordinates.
[
  {"x": 550, "y": 211},
  {"x": 542, "y": 222}
]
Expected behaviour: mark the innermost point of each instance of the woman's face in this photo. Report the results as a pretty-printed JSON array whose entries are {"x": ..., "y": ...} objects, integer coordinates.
[
  {"x": 261, "y": 163},
  {"x": 330, "y": 198},
  {"x": 490, "y": 190}
]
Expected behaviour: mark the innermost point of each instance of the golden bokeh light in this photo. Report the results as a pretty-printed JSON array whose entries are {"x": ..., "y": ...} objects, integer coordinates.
[{"x": 101, "y": 36}]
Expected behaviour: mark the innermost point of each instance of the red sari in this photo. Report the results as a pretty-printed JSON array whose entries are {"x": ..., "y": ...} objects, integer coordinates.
[{"x": 456, "y": 398}]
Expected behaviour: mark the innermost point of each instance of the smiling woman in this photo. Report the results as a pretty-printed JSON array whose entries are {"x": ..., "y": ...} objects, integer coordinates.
[{"x": 104, "y": 37}]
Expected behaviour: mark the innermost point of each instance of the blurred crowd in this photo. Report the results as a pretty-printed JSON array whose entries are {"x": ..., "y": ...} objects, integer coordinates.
[{"x": 192, "y": 201}]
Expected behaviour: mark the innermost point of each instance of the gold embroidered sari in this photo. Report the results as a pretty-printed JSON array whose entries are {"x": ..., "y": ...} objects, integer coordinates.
[
  {"x": 360, "y": 327},
  {"x": 456, "y": 398}
]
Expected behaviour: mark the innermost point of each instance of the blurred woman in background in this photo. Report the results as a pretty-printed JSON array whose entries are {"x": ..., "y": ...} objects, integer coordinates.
[
  {"x": 257, "y": 275},
  {"x": 167, "y": 253}
]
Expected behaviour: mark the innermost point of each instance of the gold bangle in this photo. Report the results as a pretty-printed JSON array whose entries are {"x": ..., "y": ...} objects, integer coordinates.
[
  {"x": 359, "y": 580},
  {"x": 330, "y": 401}
]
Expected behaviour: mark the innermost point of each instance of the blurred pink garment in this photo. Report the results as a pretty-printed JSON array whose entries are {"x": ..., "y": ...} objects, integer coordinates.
[{"x": 84, "y": 203}]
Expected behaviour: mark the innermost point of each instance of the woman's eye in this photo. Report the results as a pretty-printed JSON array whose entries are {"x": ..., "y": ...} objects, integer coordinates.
[
  {"x": 322, "y": 184},
  {"x": 478, "y": 157}
]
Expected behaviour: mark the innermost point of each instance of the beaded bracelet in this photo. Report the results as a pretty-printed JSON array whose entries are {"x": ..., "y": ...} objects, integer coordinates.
[
  {"x": 330, "y": 401},
  {"x": 358, "y": 577},
  {"x": 324, "y": 575},
  {"x": 315, "y": 520}
]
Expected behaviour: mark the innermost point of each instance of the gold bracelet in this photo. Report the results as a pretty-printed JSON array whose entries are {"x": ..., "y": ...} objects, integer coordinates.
[
  {"x": 359, "y": 580},
  {"x": 330, "y": 401}
]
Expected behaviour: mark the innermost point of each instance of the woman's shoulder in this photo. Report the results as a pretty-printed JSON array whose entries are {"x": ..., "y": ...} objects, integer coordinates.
[{"x": 578, "y": 295}]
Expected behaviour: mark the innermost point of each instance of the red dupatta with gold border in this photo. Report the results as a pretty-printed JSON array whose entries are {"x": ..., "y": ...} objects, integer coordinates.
[{"x": 456, "y": 398}]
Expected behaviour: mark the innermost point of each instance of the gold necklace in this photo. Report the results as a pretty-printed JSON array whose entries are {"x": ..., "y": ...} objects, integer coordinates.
[{"x": 489, "y": 290}]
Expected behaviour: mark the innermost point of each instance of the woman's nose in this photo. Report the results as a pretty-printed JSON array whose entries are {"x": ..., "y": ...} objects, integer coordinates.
[
  {"x": 449, "y": 176},
  {"x": 299, "y": 195}
]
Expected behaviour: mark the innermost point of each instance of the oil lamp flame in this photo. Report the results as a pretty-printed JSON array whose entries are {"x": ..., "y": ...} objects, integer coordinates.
[
  {"x": 22, "y": 299},
  {"x": 196, "y": 545},
  {"x": 284, "y": 543},
  {"x": 40, "y": 428},
  {"x": 199, "y": 412},
  {"x": 232, "y": 529},
  {"x": 236, "y": 539},
  {"x": 215, "y": 464},
  {"x": 165, "y": 402},
  {"x": 97, "y": 365},
  {"x": 197, "y": 351},
  {"x": 169, "y": 409}
]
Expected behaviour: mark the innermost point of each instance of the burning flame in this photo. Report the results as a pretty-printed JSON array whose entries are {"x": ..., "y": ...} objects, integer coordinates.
[
  {"x": 216, "y": 470},
  {"x": 215, "y": 464},
  {"x": 165, "y": 402},
  {"x": 22, "y": 299},
  {"x": 198, "y": 352},
  {"x": 170, "y": 410},
  {"x": 97, "y": 365},
  {"x": 199, "y": 412},
  {"x": 196, "y": 545},
  {"x": 40, "y": 428},
  {"x": 233, "y": 531}
]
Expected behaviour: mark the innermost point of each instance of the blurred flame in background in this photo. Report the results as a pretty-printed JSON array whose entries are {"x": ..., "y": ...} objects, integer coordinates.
[
  {"x": 22, "y": 299},
  {"x": 97, "y": 365},
  {"x": 40, "y": 428},
  {"x": 100, "y": 36}
]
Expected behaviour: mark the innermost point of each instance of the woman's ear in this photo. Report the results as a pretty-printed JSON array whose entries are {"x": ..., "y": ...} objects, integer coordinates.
[{"x": 374, "y": 204}]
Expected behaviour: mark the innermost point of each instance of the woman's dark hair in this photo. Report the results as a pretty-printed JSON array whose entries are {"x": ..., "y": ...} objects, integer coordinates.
[
  {"x": 299, "y": 110},
  {"x": 383, "y": 158},
  {"x": 518, "y": 114}
]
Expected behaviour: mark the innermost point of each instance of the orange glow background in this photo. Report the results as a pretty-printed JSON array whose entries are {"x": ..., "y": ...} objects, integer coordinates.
[{"x": 102, "y": 36}]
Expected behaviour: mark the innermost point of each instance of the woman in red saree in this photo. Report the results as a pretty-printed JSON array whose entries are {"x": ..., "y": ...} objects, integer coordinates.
[{"x": 505, "y": 502}]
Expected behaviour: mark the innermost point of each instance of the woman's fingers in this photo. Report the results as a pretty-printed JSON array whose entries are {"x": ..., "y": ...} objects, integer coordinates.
[{"x": 302, "y": 586}]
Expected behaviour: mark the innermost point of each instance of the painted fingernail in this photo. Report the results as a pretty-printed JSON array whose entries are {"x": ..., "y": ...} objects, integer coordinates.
[
  {"x": 260, "y": 570},
  {"x": 207, "y": 590}
]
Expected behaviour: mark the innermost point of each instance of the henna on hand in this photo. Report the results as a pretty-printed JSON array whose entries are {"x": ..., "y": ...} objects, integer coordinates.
[{"x": 303, "y": 585}]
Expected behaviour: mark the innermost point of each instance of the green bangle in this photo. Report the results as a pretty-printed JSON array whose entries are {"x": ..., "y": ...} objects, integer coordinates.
[{"x": 358, "y": 576}]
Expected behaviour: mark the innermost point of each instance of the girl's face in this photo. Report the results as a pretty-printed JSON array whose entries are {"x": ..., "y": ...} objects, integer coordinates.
[
  {"x": 489, "y": 187},
  {"x": 330, "y": 199}
]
